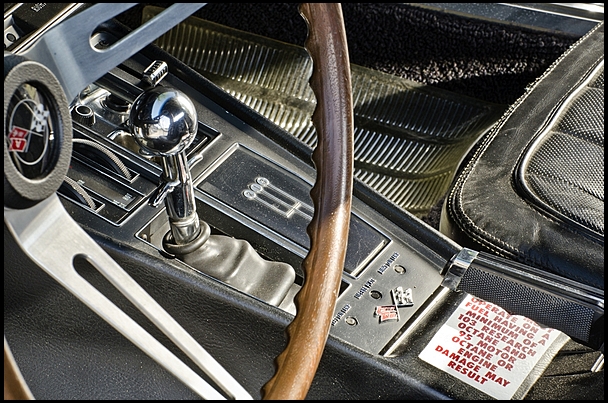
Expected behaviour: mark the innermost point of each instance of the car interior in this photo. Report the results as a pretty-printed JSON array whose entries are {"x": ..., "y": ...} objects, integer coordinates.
[{"x": 273, "y": 200}]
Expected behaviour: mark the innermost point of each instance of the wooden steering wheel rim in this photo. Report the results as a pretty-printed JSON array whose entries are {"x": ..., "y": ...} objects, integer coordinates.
[
  {"x": 332, "y": 198},
  {"x": 328, "y": 230}
]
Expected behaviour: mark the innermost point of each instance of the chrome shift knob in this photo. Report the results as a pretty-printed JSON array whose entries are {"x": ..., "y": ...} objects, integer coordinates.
[{"x": 163, "y": 121}]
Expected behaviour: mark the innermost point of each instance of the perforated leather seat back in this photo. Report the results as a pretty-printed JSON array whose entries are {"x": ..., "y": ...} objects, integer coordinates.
[{"x": 562, "y": 172}]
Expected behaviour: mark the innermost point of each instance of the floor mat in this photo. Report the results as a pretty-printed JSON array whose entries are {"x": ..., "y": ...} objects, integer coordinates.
[{"x": 409, "y": 137}]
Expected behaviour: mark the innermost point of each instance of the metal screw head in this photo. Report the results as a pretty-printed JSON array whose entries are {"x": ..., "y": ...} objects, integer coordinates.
[{"x": 163, "y": 121}]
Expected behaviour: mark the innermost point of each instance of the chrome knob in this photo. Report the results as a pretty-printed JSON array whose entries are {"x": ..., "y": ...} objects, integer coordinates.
[
  {"x": 83, "y": 114},
  {"x": 163, "y": 121}
]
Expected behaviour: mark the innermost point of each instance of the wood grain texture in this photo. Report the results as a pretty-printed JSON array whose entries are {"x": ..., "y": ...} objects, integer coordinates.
[
  {"x": 332, "y": 197},
  {"x": 15, "y": 387}
]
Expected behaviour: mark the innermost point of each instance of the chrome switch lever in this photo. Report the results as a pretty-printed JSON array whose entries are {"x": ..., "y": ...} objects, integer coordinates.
[{"x": 164, "y": 123}]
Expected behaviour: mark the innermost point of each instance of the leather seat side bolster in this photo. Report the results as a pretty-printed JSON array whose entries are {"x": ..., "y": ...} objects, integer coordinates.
[{"x": 484, "y": 209}]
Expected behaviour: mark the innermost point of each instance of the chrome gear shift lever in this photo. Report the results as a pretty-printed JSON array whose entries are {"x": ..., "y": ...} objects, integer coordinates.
[{"x": 164, "y": 123}]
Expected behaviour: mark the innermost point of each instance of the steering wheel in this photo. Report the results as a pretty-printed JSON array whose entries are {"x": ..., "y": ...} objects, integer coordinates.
[{"x": 331, "y": 194}]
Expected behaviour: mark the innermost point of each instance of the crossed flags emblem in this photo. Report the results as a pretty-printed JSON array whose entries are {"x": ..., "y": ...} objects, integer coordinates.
[{"x": 18, "y": 136}]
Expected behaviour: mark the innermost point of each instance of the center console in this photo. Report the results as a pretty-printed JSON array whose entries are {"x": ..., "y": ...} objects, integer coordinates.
[{"x": 247, "y": 187}]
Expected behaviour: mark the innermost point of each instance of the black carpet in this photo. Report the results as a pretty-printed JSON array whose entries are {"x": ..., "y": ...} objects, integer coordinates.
[{"x": 487, "y": 61}]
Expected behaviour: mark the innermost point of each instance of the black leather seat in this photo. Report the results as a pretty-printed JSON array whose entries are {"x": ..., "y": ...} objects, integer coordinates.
[{"x": 533, "y": 190}]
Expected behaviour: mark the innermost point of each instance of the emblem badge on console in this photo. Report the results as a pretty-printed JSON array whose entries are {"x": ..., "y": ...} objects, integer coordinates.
[
  {"x": 387, "y": 313},
  {"x": 402, "y": 298}
]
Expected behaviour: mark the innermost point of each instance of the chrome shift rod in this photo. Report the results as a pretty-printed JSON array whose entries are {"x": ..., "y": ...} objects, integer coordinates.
[{"x": 164, "y": 123}]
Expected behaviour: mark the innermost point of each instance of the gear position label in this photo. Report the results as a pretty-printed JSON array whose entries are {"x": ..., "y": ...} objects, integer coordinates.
[{"x": 497, "y": 353}]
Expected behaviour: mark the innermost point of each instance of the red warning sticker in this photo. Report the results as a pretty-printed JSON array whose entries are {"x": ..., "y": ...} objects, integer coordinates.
[{"x": 485, "y": 347}]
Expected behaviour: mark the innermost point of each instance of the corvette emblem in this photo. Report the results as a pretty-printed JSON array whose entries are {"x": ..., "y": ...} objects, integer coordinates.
[
  {"x": 387, "y": 313},
  {"x": 402, "y": 298},
  {"x": 30, "y": 136},
  {"x": 18, "y": 139},
  {"x": 37, "y": 133}
]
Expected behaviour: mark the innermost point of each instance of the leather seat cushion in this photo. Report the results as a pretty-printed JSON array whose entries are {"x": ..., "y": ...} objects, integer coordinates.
[{"x": 533, "y": 190}]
